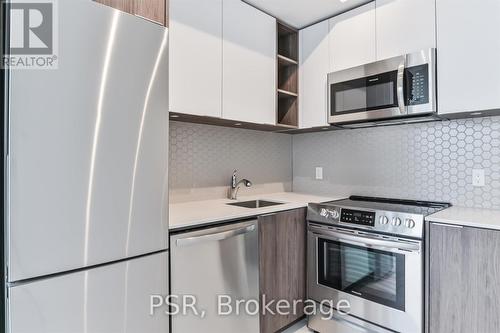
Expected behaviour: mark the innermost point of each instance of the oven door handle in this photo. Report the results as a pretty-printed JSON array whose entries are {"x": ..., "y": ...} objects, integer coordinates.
[{"x": 371, "y": 242}]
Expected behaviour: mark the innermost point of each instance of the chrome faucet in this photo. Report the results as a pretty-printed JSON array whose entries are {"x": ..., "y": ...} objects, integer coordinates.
[{"x": 235, "y": 186}]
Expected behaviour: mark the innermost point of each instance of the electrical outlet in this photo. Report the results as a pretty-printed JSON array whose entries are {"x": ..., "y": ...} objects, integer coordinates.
[
  {"x": 478, "y": 177},
  {"x": 319, "y": 173}
]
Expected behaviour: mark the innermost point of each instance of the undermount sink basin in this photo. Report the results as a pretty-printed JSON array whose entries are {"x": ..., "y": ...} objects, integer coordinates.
[{"x": 255, "y": 204}]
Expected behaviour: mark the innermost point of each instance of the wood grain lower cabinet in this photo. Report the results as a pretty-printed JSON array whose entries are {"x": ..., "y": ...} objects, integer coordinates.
[
  {"x": 282, "y": 250},
  {"x": 464, "y": 280}
]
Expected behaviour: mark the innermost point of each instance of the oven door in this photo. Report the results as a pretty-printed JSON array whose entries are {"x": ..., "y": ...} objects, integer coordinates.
[
  {"x": 369, "y": 92},
  {"x": 381, "y": 277}
]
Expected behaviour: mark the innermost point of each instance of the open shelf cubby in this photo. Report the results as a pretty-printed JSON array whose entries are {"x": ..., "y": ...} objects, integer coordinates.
[
  {"x": 288, "y": 40},
  {"x": 287, "y": 109},
  {"x": 287, "y": 71},
  {"x": 287, "y": 76}
]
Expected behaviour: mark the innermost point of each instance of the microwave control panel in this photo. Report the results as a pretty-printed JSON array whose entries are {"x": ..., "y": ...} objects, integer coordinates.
[{"x": 417, "y": 85}]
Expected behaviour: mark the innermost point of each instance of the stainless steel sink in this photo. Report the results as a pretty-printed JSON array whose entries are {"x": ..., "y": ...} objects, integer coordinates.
[{"x": 255, "y": 204}]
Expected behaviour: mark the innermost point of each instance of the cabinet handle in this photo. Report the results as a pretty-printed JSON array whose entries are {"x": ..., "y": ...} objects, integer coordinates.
[{"x": 449, "y": 225}]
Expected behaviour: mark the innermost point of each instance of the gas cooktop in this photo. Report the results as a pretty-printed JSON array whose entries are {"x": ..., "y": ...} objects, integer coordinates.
[{"x": 392, "y": 216}]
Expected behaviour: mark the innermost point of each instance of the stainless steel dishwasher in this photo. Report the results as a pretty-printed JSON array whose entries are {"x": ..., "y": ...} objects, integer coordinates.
[{"x": 215, "y": 261}]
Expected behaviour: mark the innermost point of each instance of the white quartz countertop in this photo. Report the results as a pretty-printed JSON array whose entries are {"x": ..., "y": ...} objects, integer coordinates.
[
  {"x": 199, "y": 213},
  {"x": 471, "y": 217}
]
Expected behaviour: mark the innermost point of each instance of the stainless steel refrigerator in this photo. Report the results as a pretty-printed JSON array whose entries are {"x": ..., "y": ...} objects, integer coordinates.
[{"x": 86, "y": 223}]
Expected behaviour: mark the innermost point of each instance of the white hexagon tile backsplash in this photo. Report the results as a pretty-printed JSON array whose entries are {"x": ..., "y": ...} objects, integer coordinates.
[
  {"x": 428, "y": 161},
  {"x": 203, "y": 156}
]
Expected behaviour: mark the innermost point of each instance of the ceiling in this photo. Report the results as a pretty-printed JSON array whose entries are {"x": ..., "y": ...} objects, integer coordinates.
[{"x": 301, "y": 13}]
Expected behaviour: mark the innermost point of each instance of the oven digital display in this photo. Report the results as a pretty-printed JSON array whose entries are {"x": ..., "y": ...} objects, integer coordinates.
[{"x": 358, "y": 217}]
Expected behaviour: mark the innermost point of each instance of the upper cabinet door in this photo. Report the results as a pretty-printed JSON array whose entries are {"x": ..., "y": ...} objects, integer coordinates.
[
  {"x": 249, "y": 64},
  {"x": 405, "y": 26},
  {"x": 314, "y": 67},
  {"x": 352, "y": 38},
  {"x": 468, "y": 55},
  {"x": 153, "y": 10},
  {"x": 196, "y": 57}
]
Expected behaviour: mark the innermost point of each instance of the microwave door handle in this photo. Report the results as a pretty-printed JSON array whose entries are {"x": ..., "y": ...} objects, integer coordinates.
[
  {"x": 372, "y": 242},
  {"x": 400, "y": 87}
]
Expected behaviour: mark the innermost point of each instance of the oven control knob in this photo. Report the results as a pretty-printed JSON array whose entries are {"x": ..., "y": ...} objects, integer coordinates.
[
  {"x": 383, "y": 220},
  {"x": 334, "y": 214},
  {"x": 396, "y": 221},
  {"x": 410, "y": 223},
  {"x": 323, "y": 212}
]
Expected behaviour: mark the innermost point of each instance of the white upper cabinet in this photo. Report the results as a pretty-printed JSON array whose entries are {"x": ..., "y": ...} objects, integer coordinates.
[
  {"x": 405, "y": 26},
  {"x": 195, "y": 47},
  {"x": 468, "y": 55},
  {"x": 352, "y": 38},
  {"x": 249, "y": 64},
  {"x": 314, "y": 66}
]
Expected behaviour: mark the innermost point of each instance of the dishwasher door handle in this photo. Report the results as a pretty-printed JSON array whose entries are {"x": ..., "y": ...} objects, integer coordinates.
[{"x": 218, "y": 236}]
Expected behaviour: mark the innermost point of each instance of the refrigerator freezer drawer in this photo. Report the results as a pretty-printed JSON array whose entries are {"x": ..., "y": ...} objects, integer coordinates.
[
  {"x": 111, "y": 299},
  {"x": 88, "y": 146}
]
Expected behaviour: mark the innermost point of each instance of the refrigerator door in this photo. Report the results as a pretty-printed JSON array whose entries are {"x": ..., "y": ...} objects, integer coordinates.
[
  {"x": 108, "y": 299},
  {"x": 88, "y": 146}
]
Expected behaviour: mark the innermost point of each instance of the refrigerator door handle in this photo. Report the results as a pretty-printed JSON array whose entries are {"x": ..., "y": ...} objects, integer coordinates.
[{"x": 218, "y": 236}]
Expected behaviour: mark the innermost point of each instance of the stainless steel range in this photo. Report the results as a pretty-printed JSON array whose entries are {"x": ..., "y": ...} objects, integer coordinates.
[{"x": 369, "y": 252}]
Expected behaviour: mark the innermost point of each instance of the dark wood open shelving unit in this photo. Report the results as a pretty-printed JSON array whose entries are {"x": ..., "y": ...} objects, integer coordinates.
[{"x": 287, "y": 80}]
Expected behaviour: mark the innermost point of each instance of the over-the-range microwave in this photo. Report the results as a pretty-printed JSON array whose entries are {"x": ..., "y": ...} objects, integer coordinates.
[{"x": 399, "y": 89}]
